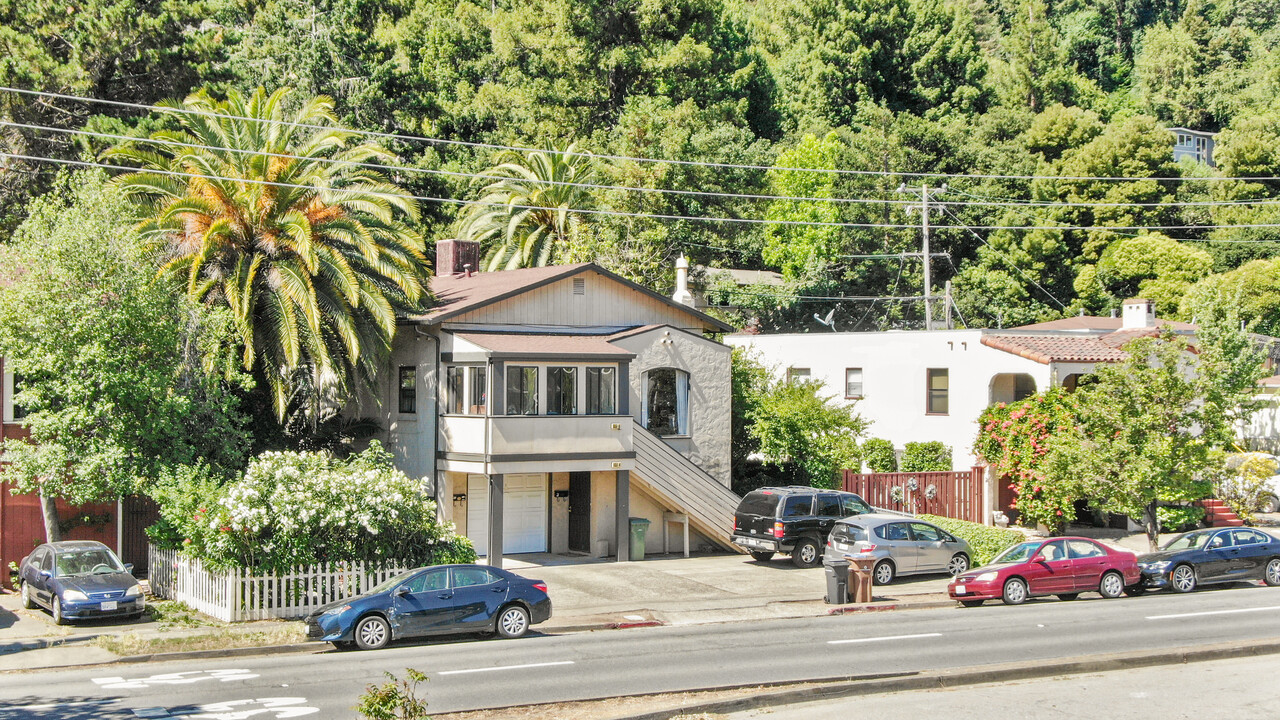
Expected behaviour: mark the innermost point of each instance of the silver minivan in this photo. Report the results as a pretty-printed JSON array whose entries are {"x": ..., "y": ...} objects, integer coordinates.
[{"x": 901, "y": 546}]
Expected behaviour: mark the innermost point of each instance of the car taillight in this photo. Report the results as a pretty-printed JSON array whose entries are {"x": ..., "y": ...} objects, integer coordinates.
[
  {"x": 541, "y": 586},
  {"x": 868, "y": 548},
  {"x": 777, "y": 530}
]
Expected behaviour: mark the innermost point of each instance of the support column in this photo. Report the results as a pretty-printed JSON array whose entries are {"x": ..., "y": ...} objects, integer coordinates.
[
  {"x": 495, "y": 521},
  {"x": 622, "y": 515}
]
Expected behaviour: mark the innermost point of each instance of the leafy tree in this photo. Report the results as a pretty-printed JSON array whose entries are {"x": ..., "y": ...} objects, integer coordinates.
[
  {"x": 947, "y": 64},
  {"x": 802, "y": 251},
  {"x": 1037, "y": 74},
  {"x": 1152, "y": 428},
  {"x": 1151, "y": 266},
  {"x": 312, "y": 254},
  {"x": 1254, "y": 288},
  {"x": 795, "y": 422},
  {"x": 109, "y": 360},
  {"x": 527, "y": 213}
]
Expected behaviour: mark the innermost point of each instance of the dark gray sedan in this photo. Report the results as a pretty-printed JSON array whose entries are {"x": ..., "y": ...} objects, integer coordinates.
[
  {"x": 79, "y": 580},
  {"x": 900, "y": 546}
]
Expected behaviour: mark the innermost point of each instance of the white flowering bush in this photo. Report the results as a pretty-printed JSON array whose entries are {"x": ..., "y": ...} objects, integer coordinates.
[{"x": 300, "y": 508}]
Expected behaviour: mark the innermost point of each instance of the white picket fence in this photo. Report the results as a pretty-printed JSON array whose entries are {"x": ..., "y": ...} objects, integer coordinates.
[{"x": 238, "y": 594}]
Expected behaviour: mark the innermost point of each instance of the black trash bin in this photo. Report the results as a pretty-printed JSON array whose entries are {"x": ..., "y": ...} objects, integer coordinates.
[{"x": 837, "y": 582}]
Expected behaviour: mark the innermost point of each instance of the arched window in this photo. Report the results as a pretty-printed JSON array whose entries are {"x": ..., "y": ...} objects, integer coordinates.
[{"x": 666, "y": 401}]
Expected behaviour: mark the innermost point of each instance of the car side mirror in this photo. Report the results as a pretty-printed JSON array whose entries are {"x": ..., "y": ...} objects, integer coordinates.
[
  {"x": 401, "y": 591},
  {"x": 128, "y": 567},
  {"x": 46, "y": 574}
]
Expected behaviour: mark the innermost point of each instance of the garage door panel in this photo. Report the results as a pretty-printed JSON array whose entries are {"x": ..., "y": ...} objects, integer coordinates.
[{"x": 524, "y": 513}]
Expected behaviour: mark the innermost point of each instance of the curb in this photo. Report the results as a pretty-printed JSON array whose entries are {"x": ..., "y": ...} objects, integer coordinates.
[
  {"x": 44, "y": 643},
  {"x": 929, "y": 605},
  {"x": 940, "y": 679}
]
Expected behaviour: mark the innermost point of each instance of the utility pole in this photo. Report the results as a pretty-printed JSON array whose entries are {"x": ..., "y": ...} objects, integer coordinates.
[{"x": 923, "y": 207}]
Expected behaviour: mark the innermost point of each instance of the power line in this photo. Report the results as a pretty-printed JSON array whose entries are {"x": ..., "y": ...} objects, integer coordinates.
[
  {"x": 515, "y": 148},
  {"x": 981, "y": 201},
  {"x": 1010, "y": 262},
  {"x": 653, "y": 216}
]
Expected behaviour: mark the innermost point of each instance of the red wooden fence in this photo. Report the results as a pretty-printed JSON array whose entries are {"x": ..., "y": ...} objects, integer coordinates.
[{"x": 949, "y": 494}]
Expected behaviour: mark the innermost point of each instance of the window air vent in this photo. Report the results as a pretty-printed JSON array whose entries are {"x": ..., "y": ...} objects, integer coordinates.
[{"x": 579, "y": 286}]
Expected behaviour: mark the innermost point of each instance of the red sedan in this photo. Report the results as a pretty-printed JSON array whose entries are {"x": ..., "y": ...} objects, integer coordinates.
[{"x": 1064, "y": 567}]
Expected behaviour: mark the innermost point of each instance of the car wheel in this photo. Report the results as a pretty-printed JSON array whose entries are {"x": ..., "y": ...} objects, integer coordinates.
[
  {"x": 959, "y": 563},
  {"x": 1271, "y": 575},
  {"x": 806, "y": 554},
  {"x": 1183, "y": 579},
  {"x": 372, "y": 633},
  {"x": 884, "y": 572},
  {"x": 513, "y": 621},
  {"x": 971, "y": 603},
  {"x": 57, "y": 611},
  {"x": 1068, "y": 596},
  {"x": 761, "y": 555},
  {"x": 1135, "y": 590},
  {"x": 27, "y": 602},
  {"x": 1015, "y": 592},
  {"x": 1270, "y": 504},
  {"x": 1111, "y": 585}
]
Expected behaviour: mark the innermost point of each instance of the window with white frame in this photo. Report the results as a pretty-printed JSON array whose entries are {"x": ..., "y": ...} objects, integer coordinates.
[
  {"x": 666, "y": 405},
  {"x": 797, "y": 373},
  {"x": 853, "y": 382},
  {"x": 522, "y": 390},
  {"x": 602, "y": 390}
]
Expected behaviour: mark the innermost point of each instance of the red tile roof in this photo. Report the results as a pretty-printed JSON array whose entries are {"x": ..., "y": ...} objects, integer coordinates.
[
  {"x": 1055, "y": 348},
  {"x": 1095, "y": 323},
  {"x": 534, "y": 346}
]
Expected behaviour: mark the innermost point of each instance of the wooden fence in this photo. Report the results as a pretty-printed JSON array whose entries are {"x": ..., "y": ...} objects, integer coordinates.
[
  {"x": 238, "y": 594},
  {"x": 949, "y": 494}
]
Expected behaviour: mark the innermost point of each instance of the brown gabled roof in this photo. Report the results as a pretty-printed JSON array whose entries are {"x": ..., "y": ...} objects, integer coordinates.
[
  {"x": 1055, "y": 348},
  {"x": 534, "y": 346},
  {"x": 459, "y": 294},
  {"x": 1096, "y": 324}
]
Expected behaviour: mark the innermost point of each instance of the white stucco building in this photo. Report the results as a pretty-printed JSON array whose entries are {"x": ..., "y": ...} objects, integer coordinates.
[
  {"x": 550, "y": 405},
  {"x": 920, "y": 386}
]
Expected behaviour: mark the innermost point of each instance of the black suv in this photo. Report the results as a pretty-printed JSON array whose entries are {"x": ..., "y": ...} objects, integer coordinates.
[{"x": 794, "y": 520}]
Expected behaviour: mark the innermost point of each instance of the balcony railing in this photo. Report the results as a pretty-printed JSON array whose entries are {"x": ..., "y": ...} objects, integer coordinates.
[{"x": 524, "y": 435}]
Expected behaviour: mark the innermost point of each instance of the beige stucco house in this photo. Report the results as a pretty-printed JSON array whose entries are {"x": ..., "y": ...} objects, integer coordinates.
[{"x": 548, "y": 406}]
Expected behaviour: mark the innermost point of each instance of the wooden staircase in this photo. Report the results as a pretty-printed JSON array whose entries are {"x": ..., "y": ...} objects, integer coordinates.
[
  {"x": 1217, "y": 514},
  {"x": 683, "y": 487}
]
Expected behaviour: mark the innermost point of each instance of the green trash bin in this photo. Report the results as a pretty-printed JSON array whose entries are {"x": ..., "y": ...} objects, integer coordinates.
[{"x": 639, "y": 526}]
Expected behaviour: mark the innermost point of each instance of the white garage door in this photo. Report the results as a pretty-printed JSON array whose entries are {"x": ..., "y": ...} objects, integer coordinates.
[{"x": 524, "y": 513}]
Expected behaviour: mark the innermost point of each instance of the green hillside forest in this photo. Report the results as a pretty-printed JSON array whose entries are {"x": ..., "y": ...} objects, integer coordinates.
[{"x": 787, "y": 135}]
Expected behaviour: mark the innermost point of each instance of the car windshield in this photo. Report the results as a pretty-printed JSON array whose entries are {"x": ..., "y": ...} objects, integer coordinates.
[
  {"x": 387, "y": 584},
  {"x": 1190, "y": 541},
  {"x": 1018, "y": 553},
  {"x": 92, "y": 561}
]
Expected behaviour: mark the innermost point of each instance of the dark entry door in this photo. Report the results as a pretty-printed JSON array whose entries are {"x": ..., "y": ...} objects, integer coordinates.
[{"x": 580, "y": 512}]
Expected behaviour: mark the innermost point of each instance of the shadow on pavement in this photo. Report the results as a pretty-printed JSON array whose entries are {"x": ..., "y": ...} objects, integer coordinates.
[{"x": 63, "y": 708}]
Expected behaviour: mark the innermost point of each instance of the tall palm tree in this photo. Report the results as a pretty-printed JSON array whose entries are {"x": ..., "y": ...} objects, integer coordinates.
[
  {"x": 310, "y": 252},
  {"x": 525, "y": 211}
]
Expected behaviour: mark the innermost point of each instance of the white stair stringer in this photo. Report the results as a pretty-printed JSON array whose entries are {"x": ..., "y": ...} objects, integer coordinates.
[{"x": 683, "y": 487}]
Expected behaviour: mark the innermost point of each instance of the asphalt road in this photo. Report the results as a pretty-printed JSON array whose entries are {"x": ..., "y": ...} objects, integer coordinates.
[{"x": 471, "y": 674}]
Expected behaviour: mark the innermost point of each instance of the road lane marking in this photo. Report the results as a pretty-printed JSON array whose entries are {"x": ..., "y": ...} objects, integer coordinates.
[
  {"x": 178, "y": 678},
  {"x": 886, "y": 637},
  {"x": 505, "y": 667},
  {"x": 1212, "y": 612}
]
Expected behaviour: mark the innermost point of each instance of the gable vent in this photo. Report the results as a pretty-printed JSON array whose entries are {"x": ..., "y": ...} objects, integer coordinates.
[{"x": 579, "y": 286}]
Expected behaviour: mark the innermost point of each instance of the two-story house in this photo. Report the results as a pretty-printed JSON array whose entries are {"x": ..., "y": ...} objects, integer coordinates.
[{"x": 551, "y": 405}]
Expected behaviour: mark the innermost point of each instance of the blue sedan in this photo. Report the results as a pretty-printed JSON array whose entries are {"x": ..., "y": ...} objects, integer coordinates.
[
  {"x": 1212, "y": 556},
  {"x": 79, "y": 580},
  {"x": 436, "y": 600}
]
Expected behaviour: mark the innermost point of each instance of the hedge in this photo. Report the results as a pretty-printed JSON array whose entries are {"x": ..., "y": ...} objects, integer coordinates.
[
  {"x": 987, "y": 542},
  {"x": 930, "y": 456},
  {"x": 879, "y": 456}
]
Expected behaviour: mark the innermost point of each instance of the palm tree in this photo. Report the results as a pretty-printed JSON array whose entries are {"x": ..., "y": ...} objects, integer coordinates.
[
  {"x": 311, "y": 253},
  {"x": 525, "y": 212}
]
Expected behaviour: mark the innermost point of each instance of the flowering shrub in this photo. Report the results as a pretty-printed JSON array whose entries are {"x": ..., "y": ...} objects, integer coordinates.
[
  {"x": 1014, "y": 438},
  {"x": 300, "y": 508}
]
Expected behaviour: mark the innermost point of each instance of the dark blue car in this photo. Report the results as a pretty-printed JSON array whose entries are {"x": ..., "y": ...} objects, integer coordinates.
[
  {"x": 435, "y": 600},
  {"x": 1209, "y": 556},
  {"x": 79, "y": 580}
]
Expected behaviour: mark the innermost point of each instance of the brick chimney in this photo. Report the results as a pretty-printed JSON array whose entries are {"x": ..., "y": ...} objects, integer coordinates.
[
  {"x": 1138, "y": 313},
  {"x": 457, "y": 257}
]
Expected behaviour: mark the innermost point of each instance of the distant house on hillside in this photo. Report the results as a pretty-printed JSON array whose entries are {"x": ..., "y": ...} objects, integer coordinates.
[
  {"x": 1194, "y": 144},
  {"x": 551, "y": 405}
]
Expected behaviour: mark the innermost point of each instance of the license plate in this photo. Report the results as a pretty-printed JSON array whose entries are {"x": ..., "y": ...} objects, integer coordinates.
[
  {"x": 109, "y": 605},
  {"x": 959, "y": 589}
]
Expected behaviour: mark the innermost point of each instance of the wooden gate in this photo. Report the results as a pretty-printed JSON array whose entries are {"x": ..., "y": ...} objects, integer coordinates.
[
  {"x": 949, "y": 494},
  {"x": 138, "y": 512}
]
